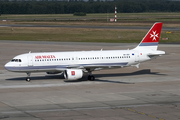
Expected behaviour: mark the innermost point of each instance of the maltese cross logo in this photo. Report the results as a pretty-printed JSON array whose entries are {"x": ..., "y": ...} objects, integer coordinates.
[{"x": 154, "y": 35}]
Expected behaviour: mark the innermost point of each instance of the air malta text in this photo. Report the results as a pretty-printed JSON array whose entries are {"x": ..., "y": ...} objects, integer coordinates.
[{"x": 44, "y": 56}]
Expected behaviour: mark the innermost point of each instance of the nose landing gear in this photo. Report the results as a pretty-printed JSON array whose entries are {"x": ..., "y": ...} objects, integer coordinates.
[{"x": 28, "y": 77}]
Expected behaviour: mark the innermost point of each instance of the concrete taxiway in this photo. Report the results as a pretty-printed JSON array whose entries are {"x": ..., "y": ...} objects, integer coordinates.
[{"x": 151, "y": 92}]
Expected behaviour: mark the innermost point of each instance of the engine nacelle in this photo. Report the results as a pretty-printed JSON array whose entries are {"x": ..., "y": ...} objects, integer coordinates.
[{"x": 73, "y": 74}]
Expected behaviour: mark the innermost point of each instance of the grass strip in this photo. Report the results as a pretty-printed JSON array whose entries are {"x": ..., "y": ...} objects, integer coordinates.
[{"x": 81, "y": 35}]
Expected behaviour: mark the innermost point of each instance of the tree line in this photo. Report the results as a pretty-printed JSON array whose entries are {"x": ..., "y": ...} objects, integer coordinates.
[{"x": 57, "y": 7}]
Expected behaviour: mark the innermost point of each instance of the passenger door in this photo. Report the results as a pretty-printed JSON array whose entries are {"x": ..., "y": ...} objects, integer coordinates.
[{"x": 30, "y": 60}]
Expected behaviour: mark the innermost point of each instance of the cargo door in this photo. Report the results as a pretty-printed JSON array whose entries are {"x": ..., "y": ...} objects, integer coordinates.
[{"x": 136, "y": 56}]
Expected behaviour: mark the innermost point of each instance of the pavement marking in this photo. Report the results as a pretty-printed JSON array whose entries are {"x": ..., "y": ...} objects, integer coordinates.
[{"x": 141, "y": 113}]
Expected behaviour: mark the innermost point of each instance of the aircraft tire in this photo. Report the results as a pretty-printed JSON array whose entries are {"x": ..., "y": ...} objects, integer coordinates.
[
  {"x": 91, "y": 78},
  {"x": 28, "y": 79}
]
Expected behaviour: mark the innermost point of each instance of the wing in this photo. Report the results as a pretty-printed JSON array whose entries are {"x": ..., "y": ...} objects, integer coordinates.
[{"x": 95, "y": 66}]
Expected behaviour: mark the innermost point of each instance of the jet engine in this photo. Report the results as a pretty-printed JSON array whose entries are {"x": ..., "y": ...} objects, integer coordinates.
[{"x": 73, "y": 74}]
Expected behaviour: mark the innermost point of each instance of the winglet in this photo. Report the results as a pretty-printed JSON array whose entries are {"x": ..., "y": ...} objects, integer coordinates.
[{"x": 151, "y": 39}]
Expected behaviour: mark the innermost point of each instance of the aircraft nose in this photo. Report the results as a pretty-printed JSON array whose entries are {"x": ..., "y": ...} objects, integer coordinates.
[{"x": 7, "y": 66}]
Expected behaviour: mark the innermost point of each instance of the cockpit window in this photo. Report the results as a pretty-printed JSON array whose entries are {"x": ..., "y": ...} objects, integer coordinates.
[
  {"x": 16, "y": 60},
  {"x": 12, "y": 60}
]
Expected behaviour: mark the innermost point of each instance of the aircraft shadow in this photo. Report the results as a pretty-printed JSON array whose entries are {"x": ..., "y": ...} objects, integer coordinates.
[
  {"x": 46, "y": 77},
  {"x": 61, "y": 77},
  {"x": 140, "y": 72}
]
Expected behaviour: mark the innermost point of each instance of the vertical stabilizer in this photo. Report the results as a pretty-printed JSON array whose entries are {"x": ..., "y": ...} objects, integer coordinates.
[{"x": 151, "y": 39}]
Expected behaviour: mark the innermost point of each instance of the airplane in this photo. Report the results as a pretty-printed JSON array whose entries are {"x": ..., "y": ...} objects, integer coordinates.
[{"x": 74, "y": 64}]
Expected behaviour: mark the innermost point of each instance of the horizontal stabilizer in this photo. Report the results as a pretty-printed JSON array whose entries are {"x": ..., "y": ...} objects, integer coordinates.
[{"x": 156, "y": 53}]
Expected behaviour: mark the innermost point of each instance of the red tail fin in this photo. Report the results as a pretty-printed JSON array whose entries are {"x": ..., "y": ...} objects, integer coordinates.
[
  {"x": 152, "y": 37},
  {"x": 151, "y": 40}
]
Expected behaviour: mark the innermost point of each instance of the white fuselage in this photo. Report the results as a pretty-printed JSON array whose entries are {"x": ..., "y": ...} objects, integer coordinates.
[{"x": 59, "y": 61}]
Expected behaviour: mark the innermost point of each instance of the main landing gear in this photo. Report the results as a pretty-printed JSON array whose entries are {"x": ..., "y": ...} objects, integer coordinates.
[
  {"x": 90, "y": 76},
  {"x": 28, "y": 77}
]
